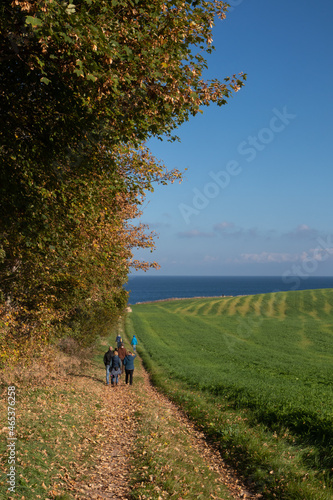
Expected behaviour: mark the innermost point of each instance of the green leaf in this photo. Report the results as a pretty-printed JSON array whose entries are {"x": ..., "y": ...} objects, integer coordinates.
[
  {"x": 34, "y": 21},
  {"x": 91, "y": 77},
  {"x": 45, "y": 80},
  {"x": 67, "y": 38}
]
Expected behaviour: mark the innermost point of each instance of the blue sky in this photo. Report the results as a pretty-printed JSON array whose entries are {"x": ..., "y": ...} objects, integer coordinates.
[{"x": 257, "y": 193}]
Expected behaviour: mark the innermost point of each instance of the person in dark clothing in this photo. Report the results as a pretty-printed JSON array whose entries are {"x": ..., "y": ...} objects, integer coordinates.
[
  {"x": 122, "y": 353},
  {"x": 118, "y": 341},
  {"x": 107, "y": 362},
  {"x": 115, "y": 369},
  {"x": 129, "y": 367}
]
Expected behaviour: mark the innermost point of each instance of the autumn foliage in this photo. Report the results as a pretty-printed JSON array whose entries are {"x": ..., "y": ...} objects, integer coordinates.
[{"x": 83, "y": 86}]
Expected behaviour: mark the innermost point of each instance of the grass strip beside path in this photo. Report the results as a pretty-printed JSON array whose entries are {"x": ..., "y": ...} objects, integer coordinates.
[
  {"x": 171, "y": 458},
  {"x": 57, "y": 416}
]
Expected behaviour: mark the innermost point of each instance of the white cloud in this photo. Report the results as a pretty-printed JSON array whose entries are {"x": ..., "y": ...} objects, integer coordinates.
[
  {"x": 268, "y": 257},
  {"x": 228, "y": 229},
  {"x": 303, "y": 231},
  {"x": 318, "y": 254},
  {"x": 223, "y": 226},
  {"x": 194, "y": 233}
]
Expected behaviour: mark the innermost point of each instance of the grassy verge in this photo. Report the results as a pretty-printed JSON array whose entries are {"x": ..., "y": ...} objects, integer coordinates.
[
  {"x": 273, "y": 463},
  {"x": 276, "y": 463},
  {"x": 56, "y": 424},
  {"x": 166, "y": 461}
]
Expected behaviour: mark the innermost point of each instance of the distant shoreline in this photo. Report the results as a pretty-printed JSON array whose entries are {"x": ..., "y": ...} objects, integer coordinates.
[{"x": 186, "y": 298}]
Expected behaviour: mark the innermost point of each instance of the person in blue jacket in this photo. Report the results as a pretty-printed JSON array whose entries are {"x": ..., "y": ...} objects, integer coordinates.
[
  {"x": 129, "y": 367},
  {"x": 134, "y": 342},
  {"x": 115, "y": 369}
]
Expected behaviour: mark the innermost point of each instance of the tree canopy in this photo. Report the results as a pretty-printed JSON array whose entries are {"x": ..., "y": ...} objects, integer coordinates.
[{"x": 83, "y": 85}]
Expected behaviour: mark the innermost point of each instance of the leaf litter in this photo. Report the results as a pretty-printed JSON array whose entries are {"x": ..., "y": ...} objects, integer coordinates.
[{"x": 112, "y": 474}]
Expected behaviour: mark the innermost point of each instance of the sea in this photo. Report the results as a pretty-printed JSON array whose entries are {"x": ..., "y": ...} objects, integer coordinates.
[{"x": 152, "y": 288}]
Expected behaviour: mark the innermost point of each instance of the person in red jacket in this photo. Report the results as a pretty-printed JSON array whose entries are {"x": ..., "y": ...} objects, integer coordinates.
[{"x": 122, "y": 353}]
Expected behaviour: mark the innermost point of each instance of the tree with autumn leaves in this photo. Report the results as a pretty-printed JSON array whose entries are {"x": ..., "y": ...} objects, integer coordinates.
[{"x": 84, "y": 85}]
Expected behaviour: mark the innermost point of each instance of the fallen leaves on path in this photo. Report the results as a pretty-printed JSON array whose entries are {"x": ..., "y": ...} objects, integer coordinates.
[{"x": 110, "y": 477}]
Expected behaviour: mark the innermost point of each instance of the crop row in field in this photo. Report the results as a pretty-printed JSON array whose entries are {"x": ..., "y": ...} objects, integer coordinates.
[{"x": 272, "y": 354}]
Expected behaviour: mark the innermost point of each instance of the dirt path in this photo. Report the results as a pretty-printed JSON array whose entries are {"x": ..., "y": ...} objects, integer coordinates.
[
  {"x": 110, "y": 476},
  {"x": 109, "y": 479}
]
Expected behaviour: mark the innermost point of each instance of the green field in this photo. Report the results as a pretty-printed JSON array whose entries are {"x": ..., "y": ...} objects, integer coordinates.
[{"x": 267, "y": 358}]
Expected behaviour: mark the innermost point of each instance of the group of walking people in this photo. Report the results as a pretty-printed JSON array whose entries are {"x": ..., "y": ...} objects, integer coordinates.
[{"x": 119, "y": 360}]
